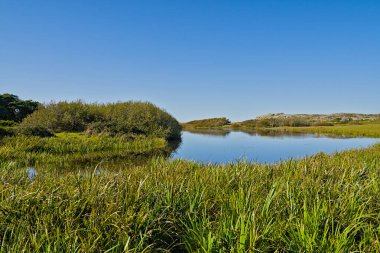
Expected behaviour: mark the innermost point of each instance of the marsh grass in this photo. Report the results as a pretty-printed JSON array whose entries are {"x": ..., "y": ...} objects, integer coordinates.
[
  {"x": 74, "y": 147},
  {"x": 367, "y": 129},
  {"x": 323, "y": 203}
]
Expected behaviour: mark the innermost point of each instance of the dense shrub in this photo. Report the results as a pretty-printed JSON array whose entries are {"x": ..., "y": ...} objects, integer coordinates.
[
  {"x": 295, "y": 122},
  {"x": 7, "y": 123},
  {"x": 140, "y": 118},
  {"x": 251, "y": 123},
  {"x": 117, "y": 118},
  {"x": 211, "y": 122},
  {"x": 323, "y": 124},
  {"x": 14, "y": 109},
  {"x": 276, "y": 122},
  {"x": 63, "y": 117},
  {"x": 35, "y": 131},
  {"x": 6, "y": 131}
]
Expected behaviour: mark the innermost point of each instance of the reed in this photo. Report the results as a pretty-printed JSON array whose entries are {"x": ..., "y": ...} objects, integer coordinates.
[
  {"x": 73, "y": 147},
  {"x": 366, "y": 129}
]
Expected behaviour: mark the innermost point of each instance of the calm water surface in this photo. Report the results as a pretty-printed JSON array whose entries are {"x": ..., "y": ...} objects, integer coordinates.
[{"x": 224, "y": 146}]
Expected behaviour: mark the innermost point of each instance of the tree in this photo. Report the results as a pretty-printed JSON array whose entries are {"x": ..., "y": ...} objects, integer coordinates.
[{"x": 15, "y": 109}]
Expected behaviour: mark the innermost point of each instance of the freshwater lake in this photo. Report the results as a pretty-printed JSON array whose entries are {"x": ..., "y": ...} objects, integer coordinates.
[{"x": 219, "y": 146}]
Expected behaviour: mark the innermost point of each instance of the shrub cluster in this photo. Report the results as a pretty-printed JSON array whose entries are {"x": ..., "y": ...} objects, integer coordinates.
[
  {"x": 141, "y": 118},
  {"x": 276, "y": 122},
  {"x": 35, "y": 131},
  {"x": 6, "y": 131},
  {"x": 7, "y": 123},
  {"x": 211, "y": 122},
  {"x": 14, "y": 109}
]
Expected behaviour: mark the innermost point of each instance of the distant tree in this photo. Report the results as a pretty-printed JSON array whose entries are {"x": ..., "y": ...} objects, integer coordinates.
[{"x": 15, "y": 109}]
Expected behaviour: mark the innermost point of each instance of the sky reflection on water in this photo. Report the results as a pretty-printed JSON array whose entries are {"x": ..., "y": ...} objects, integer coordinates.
[{"x": 230, "y": 146}]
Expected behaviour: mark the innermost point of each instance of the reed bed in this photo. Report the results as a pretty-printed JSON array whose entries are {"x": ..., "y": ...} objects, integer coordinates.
[
  {"x": 367, "y": 129},
  {"x": 322, "y": 203},
  {"x": 73, "y": 147}
]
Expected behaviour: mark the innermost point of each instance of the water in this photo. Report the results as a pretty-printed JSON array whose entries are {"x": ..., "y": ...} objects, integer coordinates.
[
  {"x": 229, "y": 146},
  {"x": 216, "y": 146}
]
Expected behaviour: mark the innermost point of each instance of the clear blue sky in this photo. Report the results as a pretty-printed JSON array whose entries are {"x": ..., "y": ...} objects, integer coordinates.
[{"x": 196, "y": 58}]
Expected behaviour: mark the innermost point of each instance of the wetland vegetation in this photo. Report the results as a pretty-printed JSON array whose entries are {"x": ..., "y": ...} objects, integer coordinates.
[
  {"x": 208, "y": 123},
  {"x": 348, "y": 124},
  {"x": 324, "y": 203},
  {"x": 78, "y": 191}
]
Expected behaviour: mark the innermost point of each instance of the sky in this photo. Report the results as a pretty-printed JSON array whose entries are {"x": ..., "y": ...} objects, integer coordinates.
[{"x": 196, "y": 59}]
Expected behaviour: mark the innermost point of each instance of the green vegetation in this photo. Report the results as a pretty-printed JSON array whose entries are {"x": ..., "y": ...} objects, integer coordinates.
[
  {"x": 74, "y": 147},
  {"x": 348, "y": 124},
  {"x": 7, "y": 131},
  {"x": 265, "y": 123},
  {"x": 323, "y": 203},
  {"x": 282, "y": 119},
  {"x": 306, "y": 120},
  {"x": 7, "y": 127},
  {"x": 35, "y": 131},
  {"x": 14, "y": 109},
  {"x": 207, "y": 123},
  {"x": 111, "y": 119},
  {"x": 208, "y": 131},
  {"x": 365, "y": 129},
  {"x": 368, "y": 129},
  {"x": 136, "y": 118},
  {"x": 84, "y": 132},
  {"x": 7, "y": 123},
  {"x": 97, "y": 185}
]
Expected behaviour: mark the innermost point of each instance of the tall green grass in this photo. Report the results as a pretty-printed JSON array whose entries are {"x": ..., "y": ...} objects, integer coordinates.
[
  {"x": 74, "y": 147},
  {"x": 323, "y": 203},
  {"x": 368, "y": 129}
]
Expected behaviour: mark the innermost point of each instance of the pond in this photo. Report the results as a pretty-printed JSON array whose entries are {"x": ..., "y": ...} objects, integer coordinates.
[{"x": 218, "y": 146}]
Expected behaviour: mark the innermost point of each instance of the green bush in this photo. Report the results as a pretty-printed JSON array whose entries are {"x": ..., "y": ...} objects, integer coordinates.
[
  {"x": 35, "y": 131},
  {"x": 276, "y": 122},
  {"x": 140, "y": 118},
  {"x": 211, "y": 122},
  {"x": 63, "y": 117},
  {"x": 251, "y": 123},
  {"x": 296, "y": 123},
  {"x": 8, "y": 123},
  {"x": 6, "y": 131},
  {"x": 14, "y": 109},
  {"x": 118, "y": 118},
  {"x": 323, "y": 124}
]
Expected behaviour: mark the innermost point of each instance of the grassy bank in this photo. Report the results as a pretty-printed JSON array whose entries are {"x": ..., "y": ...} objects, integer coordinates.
[
  {"x": 83, "y": 195},
  {"x": 367, "y": 129},
  {"x": 323, "y": 203},
  {"x": 75, "y": 147},
  {"x": 349, "y": 124},
  {"x": 362, "y": 129}
]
